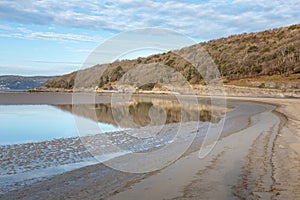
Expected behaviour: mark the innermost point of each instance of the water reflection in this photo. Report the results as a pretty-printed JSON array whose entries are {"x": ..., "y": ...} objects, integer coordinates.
[
  {"x": 141, "y": 112},
  {"x": 33, "y": 123}
]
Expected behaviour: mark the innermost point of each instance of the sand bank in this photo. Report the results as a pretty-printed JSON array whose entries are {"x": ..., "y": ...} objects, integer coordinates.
[
  {"x": 257, "y": 157},
  {"x": 259, "y": 162}
]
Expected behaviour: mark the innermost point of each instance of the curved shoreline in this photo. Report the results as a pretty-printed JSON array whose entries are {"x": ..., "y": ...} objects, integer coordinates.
[
  {"x": 32, "y": 171},
  {"x": 276, "y": 184},
  {"x": 284, "y": 156},
  {"x": 208, "y": 179},
  {"x": 85, "y": 182},
  {"x": 286, "y": 151}
]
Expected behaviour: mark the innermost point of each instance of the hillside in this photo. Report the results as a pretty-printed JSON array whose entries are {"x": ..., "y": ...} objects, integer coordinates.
[
  {"x": 264, "y": 53},
  {"x": 253, "y": 55},
  {"x": 8, "y": 83}
]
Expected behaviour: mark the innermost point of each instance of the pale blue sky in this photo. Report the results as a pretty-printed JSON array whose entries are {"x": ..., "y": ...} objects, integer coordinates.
[{"x": 52, "y": 37}]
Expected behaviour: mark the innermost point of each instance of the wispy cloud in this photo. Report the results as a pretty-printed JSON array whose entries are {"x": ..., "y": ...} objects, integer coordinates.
[
  {"x": 54, "y": 62},
  {"x": 5, "y": 28},
  {"x": 88, "y": 51},
  {"x": 203, "y": 19},
  {"x": 65, "y": 37},
  {"x": 35, "y": 70},
  {"x": 76, "y": 23},
  {"x": 29, "y": 34}
]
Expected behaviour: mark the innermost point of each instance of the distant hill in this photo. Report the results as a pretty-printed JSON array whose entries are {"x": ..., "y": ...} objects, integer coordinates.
[
  {"x": 253, "y": 55},
  {"x": 8, "y": 83}
]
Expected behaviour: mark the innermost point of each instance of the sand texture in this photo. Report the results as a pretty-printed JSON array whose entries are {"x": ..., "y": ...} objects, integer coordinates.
[{"x": 256, "y": 157}]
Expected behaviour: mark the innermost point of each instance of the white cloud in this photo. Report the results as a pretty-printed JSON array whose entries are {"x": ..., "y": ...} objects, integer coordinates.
[
  {"x": 54, "y": 62},
  {"x": 30, "y": 70},
  {"x": 203, "y": 19},
  {"x": 88, "y": 51},
  {"x": 5, "y": 28},
  {"x": 65, "y": 37},
  {"x": 21, "y": 32}
]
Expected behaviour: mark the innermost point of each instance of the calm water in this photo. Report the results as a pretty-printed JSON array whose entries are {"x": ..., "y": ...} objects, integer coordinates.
[{"x": 33, "y": 123}]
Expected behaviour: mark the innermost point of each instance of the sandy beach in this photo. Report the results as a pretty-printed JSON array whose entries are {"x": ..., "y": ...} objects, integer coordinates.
[
  {"x": 258, "y": 162},
  {"x": 149, "y": 100},
  {"x": 256, "y": 157}
]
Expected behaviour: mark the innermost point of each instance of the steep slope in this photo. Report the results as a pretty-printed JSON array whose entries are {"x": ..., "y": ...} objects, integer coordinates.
[
  {"x": 272, "y": 52},
  {"x": 265, "y": 53}
]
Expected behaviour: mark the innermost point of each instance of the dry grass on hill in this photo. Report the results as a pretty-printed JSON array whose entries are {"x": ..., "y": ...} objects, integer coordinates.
[{"x": 257, "y": 56}]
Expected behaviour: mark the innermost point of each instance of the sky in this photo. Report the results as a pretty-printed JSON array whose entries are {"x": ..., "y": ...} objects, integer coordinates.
[{"x": 53, "y": 37}]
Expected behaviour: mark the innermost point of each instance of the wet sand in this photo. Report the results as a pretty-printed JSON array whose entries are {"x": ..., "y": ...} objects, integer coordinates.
[
  {"x": 209, "y": 178},
  {"x": 284, "y": 160},
  {"x": 258, "y": 162},
  {"x": 257, "y": 158}
]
